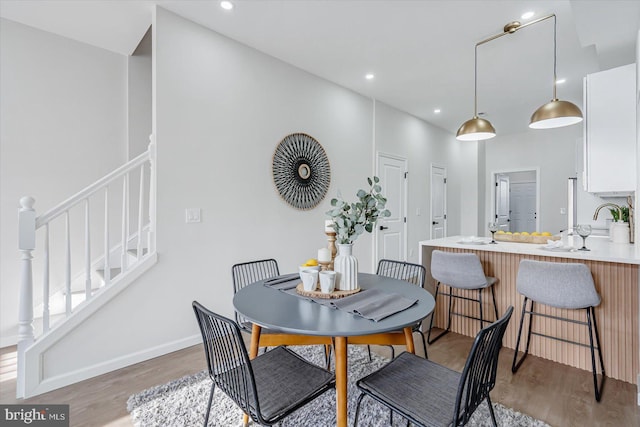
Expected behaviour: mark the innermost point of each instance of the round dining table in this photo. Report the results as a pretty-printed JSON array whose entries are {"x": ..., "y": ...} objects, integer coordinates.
[{"x": 294, "y": 315}]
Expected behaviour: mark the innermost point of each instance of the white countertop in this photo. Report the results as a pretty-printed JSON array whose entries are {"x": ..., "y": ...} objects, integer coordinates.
[{"x": 602, "y": 249}]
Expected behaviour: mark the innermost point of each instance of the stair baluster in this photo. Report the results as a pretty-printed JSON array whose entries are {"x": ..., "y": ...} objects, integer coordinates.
[{"x": 87, "y": 251}]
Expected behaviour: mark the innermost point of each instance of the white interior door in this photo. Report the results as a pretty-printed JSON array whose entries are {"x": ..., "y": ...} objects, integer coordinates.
[
  {"x": 391, "y": 235},
  {"x": 502, "y": 202},
  {"x": 523, "y": 206},
  {"x": 438, "y": 202}
]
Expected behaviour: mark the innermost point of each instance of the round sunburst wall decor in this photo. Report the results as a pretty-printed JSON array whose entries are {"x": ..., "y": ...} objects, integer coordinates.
[{"x": 301, "y": 171}]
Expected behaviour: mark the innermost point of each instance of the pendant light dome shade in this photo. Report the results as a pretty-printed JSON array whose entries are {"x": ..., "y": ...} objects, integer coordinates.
[
  {"x": 555, "y": 114},
  {"x": 475, "y": 129}
]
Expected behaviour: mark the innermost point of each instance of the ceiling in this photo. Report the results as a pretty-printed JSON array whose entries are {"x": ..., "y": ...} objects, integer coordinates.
[{"x": 421, "y": 52}]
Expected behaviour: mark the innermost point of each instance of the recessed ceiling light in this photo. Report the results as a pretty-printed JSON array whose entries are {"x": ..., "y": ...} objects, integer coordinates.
[
  {"x": 527, "y": 15},
  {"x": 560, "y": 81},
  {"x": 369, "y": 76},
  {"x": 437, "y": 111},
  {"x": 226, "y": 5}
]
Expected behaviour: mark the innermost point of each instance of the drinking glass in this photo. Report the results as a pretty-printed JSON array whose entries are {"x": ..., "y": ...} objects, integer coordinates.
[
  {"x": 584, "y": 230},
  {"x": 493, "y": 227}
]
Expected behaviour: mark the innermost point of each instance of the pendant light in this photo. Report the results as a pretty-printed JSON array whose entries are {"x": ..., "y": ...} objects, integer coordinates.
[
  {"x": 475, "y": 129},
  {"x": 553, "y": 114}
]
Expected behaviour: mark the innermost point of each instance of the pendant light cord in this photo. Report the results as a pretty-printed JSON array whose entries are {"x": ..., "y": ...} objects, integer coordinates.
[
  {"x": 475, "y": 83},
  {"x": 555, "y": 56}
]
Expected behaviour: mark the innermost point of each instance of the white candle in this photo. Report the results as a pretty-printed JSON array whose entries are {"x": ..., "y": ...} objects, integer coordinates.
[
  {"x": 324, "y": 255},
  {"x": 328, "y": 226}
]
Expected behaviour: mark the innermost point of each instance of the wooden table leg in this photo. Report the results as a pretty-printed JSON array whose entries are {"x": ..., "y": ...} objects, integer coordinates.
[
  {"x": 253, "y": 352},
  {"x": 255, "y": 341},
  {"x": 341, "y": 381},
  {"x": 408, "y": 336}
]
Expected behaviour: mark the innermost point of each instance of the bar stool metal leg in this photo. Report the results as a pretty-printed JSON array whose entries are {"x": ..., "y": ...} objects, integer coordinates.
[
  {"x": 480, "y": 302},
  {"x": 446, "y": 331},
  {"x": 591, "y": 314},
  {"x": 495, "y": 306}
]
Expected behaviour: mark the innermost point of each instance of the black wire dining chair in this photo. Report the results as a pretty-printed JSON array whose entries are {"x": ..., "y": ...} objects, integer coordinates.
[
  {"x": 412, "y": 273},
  {"x": 429, "y": 394},
  {"x": 267, "y": 388},
  {"x": 250, "y": 272}
]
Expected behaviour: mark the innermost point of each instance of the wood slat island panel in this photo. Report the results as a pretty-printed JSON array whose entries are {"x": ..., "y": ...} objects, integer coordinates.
[{"x": 617, "y": 315}]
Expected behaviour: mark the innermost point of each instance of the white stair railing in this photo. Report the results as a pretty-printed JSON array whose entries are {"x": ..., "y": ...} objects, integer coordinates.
[{"x": 30, "y": 227}]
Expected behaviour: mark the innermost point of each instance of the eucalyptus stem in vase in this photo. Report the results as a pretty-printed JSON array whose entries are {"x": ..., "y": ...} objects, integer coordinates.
[{"x": 350, "y": 220}]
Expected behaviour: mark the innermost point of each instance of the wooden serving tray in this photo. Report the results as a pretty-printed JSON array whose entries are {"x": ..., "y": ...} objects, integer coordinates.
[
  {"x": 318, "y": 294},
  {"x": 518, "y": 238}
]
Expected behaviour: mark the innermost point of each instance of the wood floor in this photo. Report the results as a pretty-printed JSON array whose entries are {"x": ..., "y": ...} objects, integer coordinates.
[{"x": 558, "y": 394}]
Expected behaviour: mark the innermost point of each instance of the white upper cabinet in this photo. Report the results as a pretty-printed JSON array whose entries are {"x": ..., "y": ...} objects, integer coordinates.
[{"x": 610, "y": 131}]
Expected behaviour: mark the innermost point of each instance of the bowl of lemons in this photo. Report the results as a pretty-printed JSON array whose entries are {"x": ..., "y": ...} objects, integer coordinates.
[
  {"x": 310, "y": 264},
  {"x": 525, "y": 236}
]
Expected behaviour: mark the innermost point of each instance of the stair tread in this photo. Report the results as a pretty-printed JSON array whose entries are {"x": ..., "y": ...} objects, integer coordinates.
[
  {"x": 114, "y": 272},
  {"x": 134, "y": 252}
]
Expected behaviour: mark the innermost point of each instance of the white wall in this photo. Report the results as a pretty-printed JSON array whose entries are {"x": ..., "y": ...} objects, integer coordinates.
[
  {"x": 423, "y": 144},
  {"x": 62, "y": 126},
  {"x": 465, "y": 192},
  {"x": 553, "y": 152}
]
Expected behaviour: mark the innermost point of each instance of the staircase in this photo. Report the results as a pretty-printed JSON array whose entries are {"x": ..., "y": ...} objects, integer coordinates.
[{"x": 79, "y": 255}]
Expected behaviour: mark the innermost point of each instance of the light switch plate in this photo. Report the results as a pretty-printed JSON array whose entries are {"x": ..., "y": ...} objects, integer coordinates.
[{"x": 192, "y": 215}]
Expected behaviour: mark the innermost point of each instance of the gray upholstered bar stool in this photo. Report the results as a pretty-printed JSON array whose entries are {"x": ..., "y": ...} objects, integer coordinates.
[
  {"x": 460, "y": 271},
  {"x": 565, "y": 286}
]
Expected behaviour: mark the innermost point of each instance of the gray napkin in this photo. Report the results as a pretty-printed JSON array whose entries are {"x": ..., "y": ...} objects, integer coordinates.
[
  {"x": 283, "y": 283},
  {"x": 373, "y": 304}
]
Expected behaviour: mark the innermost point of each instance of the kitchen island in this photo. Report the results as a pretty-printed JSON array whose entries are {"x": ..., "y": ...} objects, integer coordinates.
[{"x": 615, "y": 271}]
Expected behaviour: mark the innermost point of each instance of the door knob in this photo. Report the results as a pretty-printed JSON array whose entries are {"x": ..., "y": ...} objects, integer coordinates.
[
  {"x": 382, "y": 227},
  {"x": 434, "y": 222}
]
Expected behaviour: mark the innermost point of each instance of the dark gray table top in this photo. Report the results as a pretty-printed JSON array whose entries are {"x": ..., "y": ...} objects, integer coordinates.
[{"x": 275, "y": 309}]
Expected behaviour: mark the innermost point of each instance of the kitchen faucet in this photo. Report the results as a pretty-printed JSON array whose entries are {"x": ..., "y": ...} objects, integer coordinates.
[{"x": 595, "y": 215}]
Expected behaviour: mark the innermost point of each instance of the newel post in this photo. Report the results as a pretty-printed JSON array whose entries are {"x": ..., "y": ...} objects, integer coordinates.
[{"x": 26, "y": 244}]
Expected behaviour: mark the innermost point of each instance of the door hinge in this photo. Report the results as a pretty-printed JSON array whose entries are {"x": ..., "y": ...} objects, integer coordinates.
[
  {"x": 405, "y": 219},
  {"x": 445, "y": 216},
  {"x": 445, "y": 180},
  {"x": 405, "y": 175},
  {"x": 496, "y": 184}
]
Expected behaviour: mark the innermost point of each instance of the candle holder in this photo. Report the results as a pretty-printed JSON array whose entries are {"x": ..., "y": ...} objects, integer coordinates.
[
  {"x": 331, "y": 238},
  {"x": 325, "y": 265}
]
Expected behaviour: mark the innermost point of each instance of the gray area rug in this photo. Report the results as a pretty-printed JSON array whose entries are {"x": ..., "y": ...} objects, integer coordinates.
[{"x": 183, "y": 402}]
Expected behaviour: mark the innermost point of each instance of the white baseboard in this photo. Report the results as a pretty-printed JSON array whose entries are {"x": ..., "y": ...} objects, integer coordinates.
[{"x": 73, "y": 377}]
